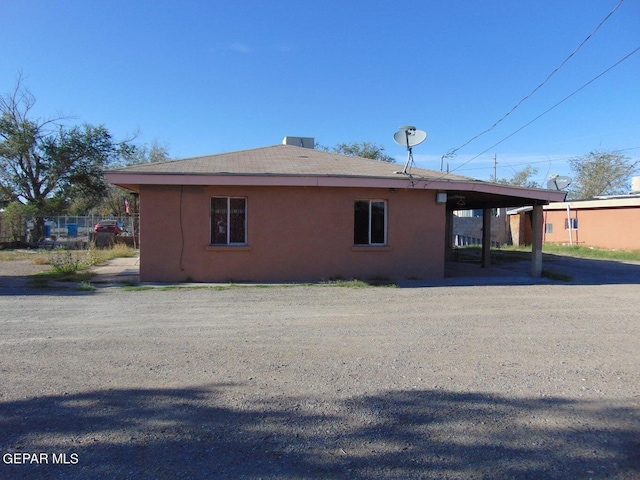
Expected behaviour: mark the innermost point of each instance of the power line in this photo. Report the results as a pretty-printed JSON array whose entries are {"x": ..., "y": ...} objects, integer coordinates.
[
  {"x": 558, "y": 159},
  {"x": 454, "y": 150},
  {"x": 552, "y": 107},
  {"x": 506, "y": 164}
]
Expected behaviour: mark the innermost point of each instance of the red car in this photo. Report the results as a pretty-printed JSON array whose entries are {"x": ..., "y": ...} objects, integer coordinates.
[{"x": 109, "y": 226}]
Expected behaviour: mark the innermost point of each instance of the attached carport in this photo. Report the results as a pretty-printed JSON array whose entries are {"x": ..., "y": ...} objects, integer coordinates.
[{"x": 478, "y": 195}]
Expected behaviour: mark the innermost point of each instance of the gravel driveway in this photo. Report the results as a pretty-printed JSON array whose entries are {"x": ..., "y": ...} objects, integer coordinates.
[{"x": 321, "y": 382}]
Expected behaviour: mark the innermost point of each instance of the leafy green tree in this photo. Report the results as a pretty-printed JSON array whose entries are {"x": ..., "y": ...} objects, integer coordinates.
[
  {"x": 601, "y": 172},
  {"x": 14, "y": 221},
  {"x": 115, "y": 200},
  {"x": 46, "y": 165},
  {"x": 361, "y": 149}
]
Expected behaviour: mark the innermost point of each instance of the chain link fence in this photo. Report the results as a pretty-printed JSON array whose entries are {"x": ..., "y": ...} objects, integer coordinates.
[{"x": 66, "y": 230}]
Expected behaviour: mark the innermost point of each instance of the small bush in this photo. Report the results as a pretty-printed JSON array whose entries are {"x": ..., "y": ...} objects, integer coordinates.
[
  {"x": 94, "y": 256},
  {"x": 66, "y": 262}
]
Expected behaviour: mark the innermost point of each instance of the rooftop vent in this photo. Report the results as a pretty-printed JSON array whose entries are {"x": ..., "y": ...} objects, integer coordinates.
[
  {"x": 306, "y": 142},
  {"x": 635, "y": 185}
]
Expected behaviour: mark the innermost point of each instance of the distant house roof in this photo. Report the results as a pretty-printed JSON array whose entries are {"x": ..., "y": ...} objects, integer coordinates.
[
  {"x": 289, "y": 165},
  {"x": 621, "y": 201}
]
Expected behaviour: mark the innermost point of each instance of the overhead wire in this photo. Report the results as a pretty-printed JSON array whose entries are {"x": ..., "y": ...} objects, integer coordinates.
[
  {"x": 548, "y": 160},
  {"x": 536, "y": 162},
  {"x": 550, "y": 108},
  {"x": 452, "y": 152}
]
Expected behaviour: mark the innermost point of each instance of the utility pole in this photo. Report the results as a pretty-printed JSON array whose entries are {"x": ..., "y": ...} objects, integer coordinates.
[{"x": 495, "y": 167}]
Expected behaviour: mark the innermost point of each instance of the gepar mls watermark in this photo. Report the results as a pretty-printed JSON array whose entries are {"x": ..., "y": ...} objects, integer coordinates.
[{"x": 40, "y": 458}]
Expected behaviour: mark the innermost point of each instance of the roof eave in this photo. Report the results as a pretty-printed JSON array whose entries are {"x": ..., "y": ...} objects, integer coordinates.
[{"x": 133, "y": 181}]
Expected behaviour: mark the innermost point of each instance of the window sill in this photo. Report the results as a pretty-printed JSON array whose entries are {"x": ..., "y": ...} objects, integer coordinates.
[
  {"x": 371, "y": 248},
  {"x": 228, "y": 248}
]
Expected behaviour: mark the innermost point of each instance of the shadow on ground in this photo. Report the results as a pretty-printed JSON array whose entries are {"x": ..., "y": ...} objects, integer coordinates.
[
  {"x": 507, "y": 268},
  {"x": 189, "y": 433},
  {"x": 33, "y": 286},
  {"x": 514, "y": 268}
]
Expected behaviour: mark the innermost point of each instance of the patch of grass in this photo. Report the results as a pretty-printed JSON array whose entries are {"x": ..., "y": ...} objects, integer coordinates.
[
  {"x": 381, "y": 282},
  {"x": 38, "y": 257},
  {"x": 218, "y": 288},
  {"x": 355, "y": 283},
  {"x": 96, "y": 256},
  {"x": 41, "y": 259},
  {"x": 65, "y": 259},
  {"x": 595, "y": 253},
  {"x": 137, "y": 288},
  {"x": 55, "y": 276},
  {"x": 46, "y": 279},
  {"x": 165, "y": 288},
  {"x": 512, "y": 253},
  {"x": 347, "y": 283},
  {"x": 85, "y": 287}
]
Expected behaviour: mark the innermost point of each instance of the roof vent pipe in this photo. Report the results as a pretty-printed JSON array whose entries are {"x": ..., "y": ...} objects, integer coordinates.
[{"x": 635, "y": 185}]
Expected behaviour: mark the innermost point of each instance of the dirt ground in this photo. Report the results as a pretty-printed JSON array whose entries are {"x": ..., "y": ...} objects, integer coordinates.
[{"x": 443, "y": 381}]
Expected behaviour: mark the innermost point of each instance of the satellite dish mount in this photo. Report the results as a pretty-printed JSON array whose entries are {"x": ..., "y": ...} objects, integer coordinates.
[{"x": 408, "y": 136}]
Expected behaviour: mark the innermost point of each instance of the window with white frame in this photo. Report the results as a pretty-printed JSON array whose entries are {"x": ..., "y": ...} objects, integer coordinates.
[
  {"x": 228, "y": 221},
  {"x": 370, "y": 222},
  {"x": 548, "y": 228}
]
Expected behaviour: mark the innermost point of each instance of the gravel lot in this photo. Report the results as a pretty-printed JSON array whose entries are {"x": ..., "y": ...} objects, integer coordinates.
[{"x": 495, "y": 381}]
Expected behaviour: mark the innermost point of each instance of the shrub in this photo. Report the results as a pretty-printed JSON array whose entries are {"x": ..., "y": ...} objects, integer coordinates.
[{"x": 66, "y": 262}]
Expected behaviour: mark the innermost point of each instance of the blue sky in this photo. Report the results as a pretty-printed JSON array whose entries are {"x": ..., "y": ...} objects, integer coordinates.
[{"x": 205, "y": 77}]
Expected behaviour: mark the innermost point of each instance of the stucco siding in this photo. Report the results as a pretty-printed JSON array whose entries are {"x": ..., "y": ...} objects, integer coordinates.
[
  {"x": 614, "y": 228},
  {"x": 293, "y": 233}
]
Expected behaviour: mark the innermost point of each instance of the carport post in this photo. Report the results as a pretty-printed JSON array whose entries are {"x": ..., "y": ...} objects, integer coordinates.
[
  {"x": 536, "y": 244},
  {"x": 486, "y": 237}
]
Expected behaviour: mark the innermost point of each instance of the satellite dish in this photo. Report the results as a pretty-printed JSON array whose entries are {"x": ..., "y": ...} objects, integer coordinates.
[
  {"x": 558, "y": 183},
  {"x": 408, "y": 136}
]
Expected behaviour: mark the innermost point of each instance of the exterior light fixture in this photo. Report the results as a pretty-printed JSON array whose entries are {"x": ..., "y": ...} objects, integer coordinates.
[{"x": 441, "y": 197}]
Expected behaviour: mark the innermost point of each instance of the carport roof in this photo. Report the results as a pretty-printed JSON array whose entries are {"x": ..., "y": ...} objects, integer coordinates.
[{"x": 289, "y": 165}]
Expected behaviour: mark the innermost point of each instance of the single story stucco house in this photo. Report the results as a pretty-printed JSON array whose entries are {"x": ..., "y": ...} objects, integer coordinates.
[
  {"x": 606, "y": 222},
  {"x": 601, "y": 222},
  {"x": 290, "y": 213}
]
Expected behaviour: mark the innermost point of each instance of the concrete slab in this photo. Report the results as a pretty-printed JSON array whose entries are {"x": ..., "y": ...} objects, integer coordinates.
[{"x": 118, "y": 270}]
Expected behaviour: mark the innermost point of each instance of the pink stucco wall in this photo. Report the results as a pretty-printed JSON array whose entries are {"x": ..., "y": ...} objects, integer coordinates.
[
  {"x": 294, "y": 234},
  {"x": 614, "y": 228}
]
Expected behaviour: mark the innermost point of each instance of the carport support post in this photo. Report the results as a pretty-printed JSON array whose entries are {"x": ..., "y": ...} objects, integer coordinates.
[
  {"x": 486, "y": 237},
  {"x": 536, "y": 244},
  {"x": 448, "y": 235}
]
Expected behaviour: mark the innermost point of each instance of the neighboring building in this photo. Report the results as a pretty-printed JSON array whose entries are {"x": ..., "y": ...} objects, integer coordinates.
[
  {"x": 289, "y": 213},
  {"x": 467, "y": 227},
  {"x": 520, "y": 223},
  {"x": 605, "y": 222}
]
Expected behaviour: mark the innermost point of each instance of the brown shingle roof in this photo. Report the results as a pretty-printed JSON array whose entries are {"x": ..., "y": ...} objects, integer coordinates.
[{"x": 284, "y": 160}]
